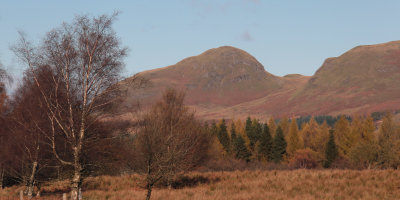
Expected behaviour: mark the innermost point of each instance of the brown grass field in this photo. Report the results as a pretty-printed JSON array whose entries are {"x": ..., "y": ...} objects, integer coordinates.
[{"x": 274, "y": 184}]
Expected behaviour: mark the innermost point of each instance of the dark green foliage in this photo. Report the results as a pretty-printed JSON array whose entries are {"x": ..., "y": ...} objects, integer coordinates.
[
  {"x": 331, "y": 152},
  {"x": 320, "y": 120},
  {"x": 214, "y": 128},
  {"x": 223, "y": 136},
  {"x": 241, "y": 151},
  {"x": 253, "y": 131},
  {"x": 265, "y": 146},
  {"x": 279, "y": 146},
  {"x": 233, "y": 133}
]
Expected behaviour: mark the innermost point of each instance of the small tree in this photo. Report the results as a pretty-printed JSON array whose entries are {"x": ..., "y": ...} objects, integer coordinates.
[
  {"x": 294, "y": 141},
  {"x": 331, "y": 152},
  {"x": 171, "y": 140},
  {"x": 265, "y": 146},
  {"x": 241, "y": 151},
  {"x": 223, "y": 136},
  {"x": 279, "y": 146},
  {"x": 233, "y": 133}
]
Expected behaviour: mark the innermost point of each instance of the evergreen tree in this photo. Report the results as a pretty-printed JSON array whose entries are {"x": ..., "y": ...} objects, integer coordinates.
[
  {"x": 233, "y": 133},
  {"x": 294, "y": 141},
  {"x": 214, "y": 128},
  {"x": 331, "y": 152},
  {"x": 255, "y": 133},
  {"x": 265, "y": 147},
  {"x": 241, "y": 151},
  {"x": 250, "y": 132},
  {"x": 279, "y": 146},
  {"x": 223, "y": 136}
]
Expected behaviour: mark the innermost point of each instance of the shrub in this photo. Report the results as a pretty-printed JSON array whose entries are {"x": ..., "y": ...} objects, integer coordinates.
[{"x": 305, "y": 159}]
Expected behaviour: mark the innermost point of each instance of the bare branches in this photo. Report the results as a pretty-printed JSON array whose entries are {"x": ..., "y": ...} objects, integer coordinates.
[
  {"x": 84, "y": 59},
  {"x": 171, "y": 139}
]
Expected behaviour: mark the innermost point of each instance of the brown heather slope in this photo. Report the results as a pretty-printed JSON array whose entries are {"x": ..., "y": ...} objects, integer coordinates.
[
  {"x": 218, "y": 78},
  {"x": 364, "y": 79},
  {"x": 227, "y": 82}
]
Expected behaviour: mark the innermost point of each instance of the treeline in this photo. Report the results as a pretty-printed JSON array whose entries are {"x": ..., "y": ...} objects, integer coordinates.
[{"x": 355, "y": 143}]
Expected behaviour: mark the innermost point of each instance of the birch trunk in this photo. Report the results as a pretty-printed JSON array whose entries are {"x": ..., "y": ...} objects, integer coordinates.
[
  {"x": 31, "y": 180},
  {"x": 76, "y": 192}
]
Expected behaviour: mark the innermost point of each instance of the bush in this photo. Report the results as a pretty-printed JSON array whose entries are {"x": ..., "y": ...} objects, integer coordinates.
[{"x": 304, "y": 159}]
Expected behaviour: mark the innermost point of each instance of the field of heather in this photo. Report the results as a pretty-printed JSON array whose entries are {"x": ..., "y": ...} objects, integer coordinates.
[{"x": 296, "y": 184}]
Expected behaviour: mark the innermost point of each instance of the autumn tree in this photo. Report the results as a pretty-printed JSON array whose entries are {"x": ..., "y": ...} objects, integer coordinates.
[
  {"x": 344, "y": 136},
  {"x": 293, "y": 139},
  {"x": 272, "y": 126},
  {"x": 86, "y": 58},
  {"x": 389, "y": 142},
  {"x": 29, "y": 125},
  {"x": 4, "y": 137},
  {"x": 368, "y": 129},
  {"x": 171, "y": 140},
  {"x": 279, "y": 146},
  {"x": 284, "y": 124},
  {"x": 310, "y": 132}
]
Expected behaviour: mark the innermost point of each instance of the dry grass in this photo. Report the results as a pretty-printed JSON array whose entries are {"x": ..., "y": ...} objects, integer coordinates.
[{"x": 298, "y": 184}]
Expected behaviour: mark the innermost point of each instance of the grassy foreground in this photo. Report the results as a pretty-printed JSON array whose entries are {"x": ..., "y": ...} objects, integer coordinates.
[{"x": 297, "y": 184}]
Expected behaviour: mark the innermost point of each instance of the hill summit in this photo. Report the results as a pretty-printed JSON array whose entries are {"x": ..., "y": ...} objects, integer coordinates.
[{"x": 227, "y": 82}]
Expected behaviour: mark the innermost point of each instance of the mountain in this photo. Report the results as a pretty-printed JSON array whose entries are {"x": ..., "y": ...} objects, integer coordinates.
[
  {"x": 364, "y": 79},
  {"x": 227, "y": 82},
  {"x": 223, "y": 76}
]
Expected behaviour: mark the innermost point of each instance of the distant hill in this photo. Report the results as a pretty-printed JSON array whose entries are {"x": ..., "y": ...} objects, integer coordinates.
[
  {"x": 227, "y": 82},
  {"x": 364, "y": 79}
]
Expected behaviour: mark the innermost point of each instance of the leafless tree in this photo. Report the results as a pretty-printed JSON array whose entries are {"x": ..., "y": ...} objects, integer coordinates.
[
  {"x": 171, "y": 140},
  {"x": 86, "y": 58}
]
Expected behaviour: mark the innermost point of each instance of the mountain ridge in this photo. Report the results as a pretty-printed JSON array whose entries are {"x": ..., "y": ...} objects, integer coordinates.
[{"x": 227, "y": 82}]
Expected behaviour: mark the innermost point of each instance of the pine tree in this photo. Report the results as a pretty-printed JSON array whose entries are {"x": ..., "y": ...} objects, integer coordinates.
[
  {"x": 279, "y": 146},
  {"x": 265, "y": 147},
  {"x": 223, "y": 136},
  {"x": 241, "y": 151},
  {"x": 294, "y": 141},
  {"x": 233, "y": 133},
  {"x": 331, "y": 152},
  {"x": 250, "y": 132},
  {"x": 214, "y": 129},
  {"x": 255, "y": 133}
]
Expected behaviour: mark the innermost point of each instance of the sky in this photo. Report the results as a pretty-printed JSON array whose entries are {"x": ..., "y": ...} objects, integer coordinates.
[{"x": 285, "y": 36}]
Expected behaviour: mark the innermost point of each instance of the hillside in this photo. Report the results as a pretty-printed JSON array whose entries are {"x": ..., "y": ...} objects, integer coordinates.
[
  {"x": 364, "y": 79},
  {"x": 218, "y": 78},
  {"x": 227, "y": 82}
]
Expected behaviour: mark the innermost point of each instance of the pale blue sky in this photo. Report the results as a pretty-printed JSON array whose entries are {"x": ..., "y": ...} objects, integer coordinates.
[{"x": 285, "y": 36}]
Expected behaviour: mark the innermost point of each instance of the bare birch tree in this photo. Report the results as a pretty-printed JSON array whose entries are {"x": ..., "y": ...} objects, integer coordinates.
[
  {"x": 86, "y": 58},
  {"x": 171, "y": 140}
]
